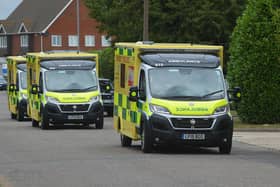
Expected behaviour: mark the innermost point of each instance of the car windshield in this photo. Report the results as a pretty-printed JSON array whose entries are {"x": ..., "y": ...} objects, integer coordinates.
[
  {"x": 186, "y": 83},
  {"x": 23, "y": 78},
  {"x": 71, "y": 80}
]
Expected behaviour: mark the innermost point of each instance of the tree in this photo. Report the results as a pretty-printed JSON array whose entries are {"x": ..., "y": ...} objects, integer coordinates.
[
  {"x": 107, "y": 63},
  {"x": 197, "y": 21},
  {"x": 255, "y": 62},
  {"x": 193, "y": 21}
]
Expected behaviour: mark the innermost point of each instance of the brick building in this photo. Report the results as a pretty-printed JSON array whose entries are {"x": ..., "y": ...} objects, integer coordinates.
[{"x": 44, "y": 25}]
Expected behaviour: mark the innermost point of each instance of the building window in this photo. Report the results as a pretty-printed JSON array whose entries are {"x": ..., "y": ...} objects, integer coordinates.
[
  {"x": 89, "y": 40},
  {"x": 73, "y": 40},
  {"x": 105, "y": 42},
  {"x": 56, "y": 41},
  {"x": 3, "y": 41},
  {"x": 24, "y": 40}
]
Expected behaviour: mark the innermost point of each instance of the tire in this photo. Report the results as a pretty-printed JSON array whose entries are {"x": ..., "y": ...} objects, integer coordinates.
[
  {"x": 146, "y": 139},
  {"x": 35, "y": 123},
  {"x": 100, "y": 121},
  {"x": 125, "y": 141},
  {"x": 225, "y": 147},
  {"x": 13, "y": 116},
  {"x": 45, "y": 122},
  {"x": 20, "y": 113}
]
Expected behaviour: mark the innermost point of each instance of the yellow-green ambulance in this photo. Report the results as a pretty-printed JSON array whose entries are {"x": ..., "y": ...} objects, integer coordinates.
[
  {"x": 63, "y": 88},
  {"x": 172, "y": 94},
  {"x": 17, "y": 87}
]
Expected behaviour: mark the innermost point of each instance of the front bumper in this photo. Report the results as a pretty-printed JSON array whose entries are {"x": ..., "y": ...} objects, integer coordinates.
[
  {"x": 220, "y": 130},
  {"x": 55, "y": 114}
]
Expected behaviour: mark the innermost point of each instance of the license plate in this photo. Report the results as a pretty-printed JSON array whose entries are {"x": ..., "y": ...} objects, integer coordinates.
[
  {"x": 75, "y": 117},
  {"x": 193, "y": 136}
]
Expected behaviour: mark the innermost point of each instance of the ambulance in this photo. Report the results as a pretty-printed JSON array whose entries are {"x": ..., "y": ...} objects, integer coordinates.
[
  {"x": 172, "y": 94},
  {"x": 63, "y": 89},
  {"x": 17, "y": 87}
]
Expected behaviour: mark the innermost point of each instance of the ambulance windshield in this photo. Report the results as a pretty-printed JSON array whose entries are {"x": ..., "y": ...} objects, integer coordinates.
[
  {"x": 23, "y": 82},
  {"x": 71, "y": 80},
  {"x": 186, "y": 83}
]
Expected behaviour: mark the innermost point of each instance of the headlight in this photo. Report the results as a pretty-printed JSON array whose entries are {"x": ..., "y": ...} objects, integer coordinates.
[
  {"x": 221, "y": 110},
  {"x": 24, "y": 96},
  {"x": 94, "y": 99},
  {"x": 52, "y": 99},
  {"x": 158, "y": 109}
]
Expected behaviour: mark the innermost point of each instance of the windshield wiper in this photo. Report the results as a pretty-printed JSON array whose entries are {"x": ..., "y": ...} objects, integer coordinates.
[
  {"x": 212, "y": 93},
  {"x": 88, "y": 88}
]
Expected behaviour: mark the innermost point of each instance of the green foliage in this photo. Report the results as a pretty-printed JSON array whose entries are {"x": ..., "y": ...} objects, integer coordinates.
[
  {"x": 107, "y": 63},
  {"x": 195, "y": 21},
  {"x": 255, "y": 62}
]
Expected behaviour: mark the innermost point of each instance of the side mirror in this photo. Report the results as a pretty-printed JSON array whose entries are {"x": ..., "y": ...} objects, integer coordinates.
[
  {"x": 133, "y": 94},
  {"x": 12, "y": 87},
  {"x": 34, "y": 89},
  {"x": 236, "y": 94}
]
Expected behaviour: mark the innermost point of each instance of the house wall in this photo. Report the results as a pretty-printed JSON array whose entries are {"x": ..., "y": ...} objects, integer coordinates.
[
  {"x": 65, "y": 25},
  {"x": 15, "y": 49}
]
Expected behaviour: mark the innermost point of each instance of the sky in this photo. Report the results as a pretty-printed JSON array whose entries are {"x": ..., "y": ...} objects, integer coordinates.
[{"x": 7, "y": 6}]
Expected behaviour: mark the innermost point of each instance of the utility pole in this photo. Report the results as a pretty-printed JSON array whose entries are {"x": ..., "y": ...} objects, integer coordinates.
[
  {"x": 146, "y": 21},
  {"x": 78, "y": 24}
]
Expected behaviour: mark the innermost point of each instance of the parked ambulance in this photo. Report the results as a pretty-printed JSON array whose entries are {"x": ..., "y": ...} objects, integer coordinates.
[
  {"x": 17, "y": 87},
  {"x": 63, "y": 88},
  {"x": 172, "y": 94}
]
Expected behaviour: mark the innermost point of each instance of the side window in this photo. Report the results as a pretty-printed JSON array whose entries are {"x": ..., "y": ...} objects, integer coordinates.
[
  {"x": 142, "y": 86},
  {"x": 17, "y": 80},
  {"x": 41, "y": 83},
  {"x": 30, "y": 76},
  {"x": 122, "y": 81},
  {"x": 30, "y": 79},
  {"x": 10, "y": 77}
]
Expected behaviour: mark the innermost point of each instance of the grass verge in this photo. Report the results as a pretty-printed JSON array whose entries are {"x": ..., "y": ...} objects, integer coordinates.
[{"x": 239, "y": 125}]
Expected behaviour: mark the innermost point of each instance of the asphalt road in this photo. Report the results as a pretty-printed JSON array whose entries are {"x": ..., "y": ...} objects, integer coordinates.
[{"x": 86, "y": 157}]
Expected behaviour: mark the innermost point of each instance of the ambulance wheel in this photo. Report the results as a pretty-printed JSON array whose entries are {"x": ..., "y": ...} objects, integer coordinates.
[
  {"x": 225, "y": 147},
  {"x": 35, "y": 123},
  {"x": 146, "y": 139},
  {"x": 45, "y": 122},
  {"x": 20, "y": 114},
  {"x": 125, "y": 141},
  {"x": 13, "y": 116},
  {"x": 99, "y": 121}
]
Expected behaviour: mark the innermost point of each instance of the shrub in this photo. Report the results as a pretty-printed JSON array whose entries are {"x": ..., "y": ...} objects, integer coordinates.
[{"x": 255, "y": 61}]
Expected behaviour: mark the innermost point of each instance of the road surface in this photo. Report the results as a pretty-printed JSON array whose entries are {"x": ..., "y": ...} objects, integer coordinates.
[{"x": 86, "y": 157}]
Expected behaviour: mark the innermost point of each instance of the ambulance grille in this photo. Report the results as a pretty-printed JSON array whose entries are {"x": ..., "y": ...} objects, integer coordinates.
[
  {"x": 192, "y": 122},
  {"x": 74, "y": 108}
]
